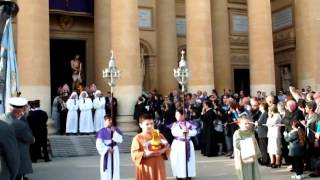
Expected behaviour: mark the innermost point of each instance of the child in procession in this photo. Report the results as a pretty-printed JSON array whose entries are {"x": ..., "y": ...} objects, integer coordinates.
[
  {"x": 182, "y": 131},
  {"x": 106, "y": 144},
  {"x": 246, "y": 151},
  {"x": 149, "y": 163}
]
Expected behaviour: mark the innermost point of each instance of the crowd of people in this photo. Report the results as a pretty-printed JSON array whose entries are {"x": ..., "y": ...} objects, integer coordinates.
[
  {"x": 23, "y": 138},
  {"x": 285, "y": 125},
  {"x": 81, "y": 111},
  {"x": 277, "y": 129}
]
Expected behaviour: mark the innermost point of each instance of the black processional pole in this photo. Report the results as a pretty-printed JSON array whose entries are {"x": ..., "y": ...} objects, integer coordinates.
[
  {"x": 111, "y": 74},
  {"x": 182, "y": 75}
]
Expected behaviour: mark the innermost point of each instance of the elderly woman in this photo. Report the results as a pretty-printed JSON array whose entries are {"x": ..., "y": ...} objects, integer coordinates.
[{"x": 274, "y": 136}]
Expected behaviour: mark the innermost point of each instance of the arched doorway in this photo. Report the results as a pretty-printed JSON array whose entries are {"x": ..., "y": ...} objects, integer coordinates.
[{"x": 61, "y": 52}]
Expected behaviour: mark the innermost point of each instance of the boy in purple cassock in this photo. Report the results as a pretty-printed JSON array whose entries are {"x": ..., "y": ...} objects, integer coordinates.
[{"x": 106, "y": 143}]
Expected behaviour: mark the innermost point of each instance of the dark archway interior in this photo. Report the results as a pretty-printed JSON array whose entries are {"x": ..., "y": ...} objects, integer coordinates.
[
  {"x": 61, "y": 52},
  {"x": 242, "y": 80}
]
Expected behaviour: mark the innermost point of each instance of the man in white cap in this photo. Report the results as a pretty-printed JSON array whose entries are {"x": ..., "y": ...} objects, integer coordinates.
[{"x": 17, "y": 120}]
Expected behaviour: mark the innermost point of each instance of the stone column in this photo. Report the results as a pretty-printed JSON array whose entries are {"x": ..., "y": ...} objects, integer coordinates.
[
  {"x": 33, "y": 51},
  {"x": 102, "y": 41},
  {"x": 307, "y": 26},
  {"x": 125, "y": 43},
  {"x": 199, "y": 45},
  {"x": 221, "y": 45},
  {"x": 167, "y": 45},
  {"x": 261, "y": 55}
]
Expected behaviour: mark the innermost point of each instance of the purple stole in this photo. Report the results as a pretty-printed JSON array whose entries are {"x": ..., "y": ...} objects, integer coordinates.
[
  {"x": 105, "y": 134},
  {"x": 191, "y": 126}
]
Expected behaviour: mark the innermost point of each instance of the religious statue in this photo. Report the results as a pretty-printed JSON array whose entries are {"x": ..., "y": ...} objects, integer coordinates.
[
  {"x": 77, "y": 70},
  {"x": 285, "y": 78}
]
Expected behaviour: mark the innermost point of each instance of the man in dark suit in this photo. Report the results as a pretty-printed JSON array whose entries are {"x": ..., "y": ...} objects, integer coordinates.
[
  {"x": 37, "y": 120},
  {"x": 16, "y": 118},
  {"x": 114, "y": 107},
  {"x": 9, "y": 153},
  {"x": 262, "y": 132}
]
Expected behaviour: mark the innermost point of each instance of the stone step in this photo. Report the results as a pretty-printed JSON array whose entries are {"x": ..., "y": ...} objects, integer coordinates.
[{"x": 71, "y": 146}]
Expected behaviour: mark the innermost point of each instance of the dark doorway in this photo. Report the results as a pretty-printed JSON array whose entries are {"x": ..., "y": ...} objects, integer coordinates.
[
  {"x": 241, "y": 80},
  {"x": 61, "y": 52}
]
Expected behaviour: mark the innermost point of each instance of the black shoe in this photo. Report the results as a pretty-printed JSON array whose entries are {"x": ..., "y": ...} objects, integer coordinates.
[
  {"x": 47, "y": 160},
  {"x": 275, "y": 166},
  {"x": 314, "y": 175}
]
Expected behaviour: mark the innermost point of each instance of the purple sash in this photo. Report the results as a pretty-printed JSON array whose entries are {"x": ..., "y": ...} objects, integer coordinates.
[
  {"x": 105, "y": 134},
  {"x": 188, "y": 145},
  {"x": 105, "y": 158}
]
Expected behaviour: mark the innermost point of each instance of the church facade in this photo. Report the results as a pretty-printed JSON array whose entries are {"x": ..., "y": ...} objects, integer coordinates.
[{"x": 246, "y": 45}]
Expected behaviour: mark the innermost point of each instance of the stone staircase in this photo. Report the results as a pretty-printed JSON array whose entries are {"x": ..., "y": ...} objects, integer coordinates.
[{"x": 71, "y": 146}]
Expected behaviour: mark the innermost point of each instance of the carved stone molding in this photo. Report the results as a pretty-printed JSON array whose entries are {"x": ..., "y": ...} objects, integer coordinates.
[
  {"x": 238, "y": 1},
  {"x": 180, "y": 1},
  {"x": 285, "y": 57},
  {"x": 284, "y": 40},
  {"x": 66, "y": 22},
  {"x": 239, "y": 59},
  {"x": 239, "y": 40}
]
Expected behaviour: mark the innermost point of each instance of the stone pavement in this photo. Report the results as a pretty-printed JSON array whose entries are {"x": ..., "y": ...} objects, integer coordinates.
[{"x": 87, "y": 168}]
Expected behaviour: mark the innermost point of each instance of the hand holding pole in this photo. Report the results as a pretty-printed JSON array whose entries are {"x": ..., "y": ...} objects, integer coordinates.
[
  {"x": 111, "y": 74},
  {"x": 182, "y": 74}
]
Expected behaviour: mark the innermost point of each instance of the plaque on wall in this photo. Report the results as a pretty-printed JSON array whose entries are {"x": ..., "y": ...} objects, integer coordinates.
[
  {"x": 145, "y": 18},
  {"x": 240, "y": 24},
  {"x": 282, "y": 19},
  {"x": 181, "y": 26}
]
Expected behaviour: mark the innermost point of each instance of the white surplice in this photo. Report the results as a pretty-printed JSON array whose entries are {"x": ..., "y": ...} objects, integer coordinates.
[
  {"x": 103, "y": 145},
  {"x": 178, "y": 153}
]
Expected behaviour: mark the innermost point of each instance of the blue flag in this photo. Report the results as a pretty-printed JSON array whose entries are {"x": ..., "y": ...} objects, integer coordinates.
[{"x": 9, "y": 78}]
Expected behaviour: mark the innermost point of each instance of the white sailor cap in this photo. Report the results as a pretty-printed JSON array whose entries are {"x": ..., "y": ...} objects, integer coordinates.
[{"x": 17, "y": 102}]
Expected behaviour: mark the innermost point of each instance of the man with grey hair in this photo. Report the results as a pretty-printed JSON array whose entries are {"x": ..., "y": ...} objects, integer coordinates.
[
  {"x": 9, "y": 153},
  {"x": 16, "y": 118}
]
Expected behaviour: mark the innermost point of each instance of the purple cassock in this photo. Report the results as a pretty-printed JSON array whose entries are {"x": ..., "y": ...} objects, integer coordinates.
[
  {"x": 190, "y": 126},
  {"x": 106, "y": 134}
]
